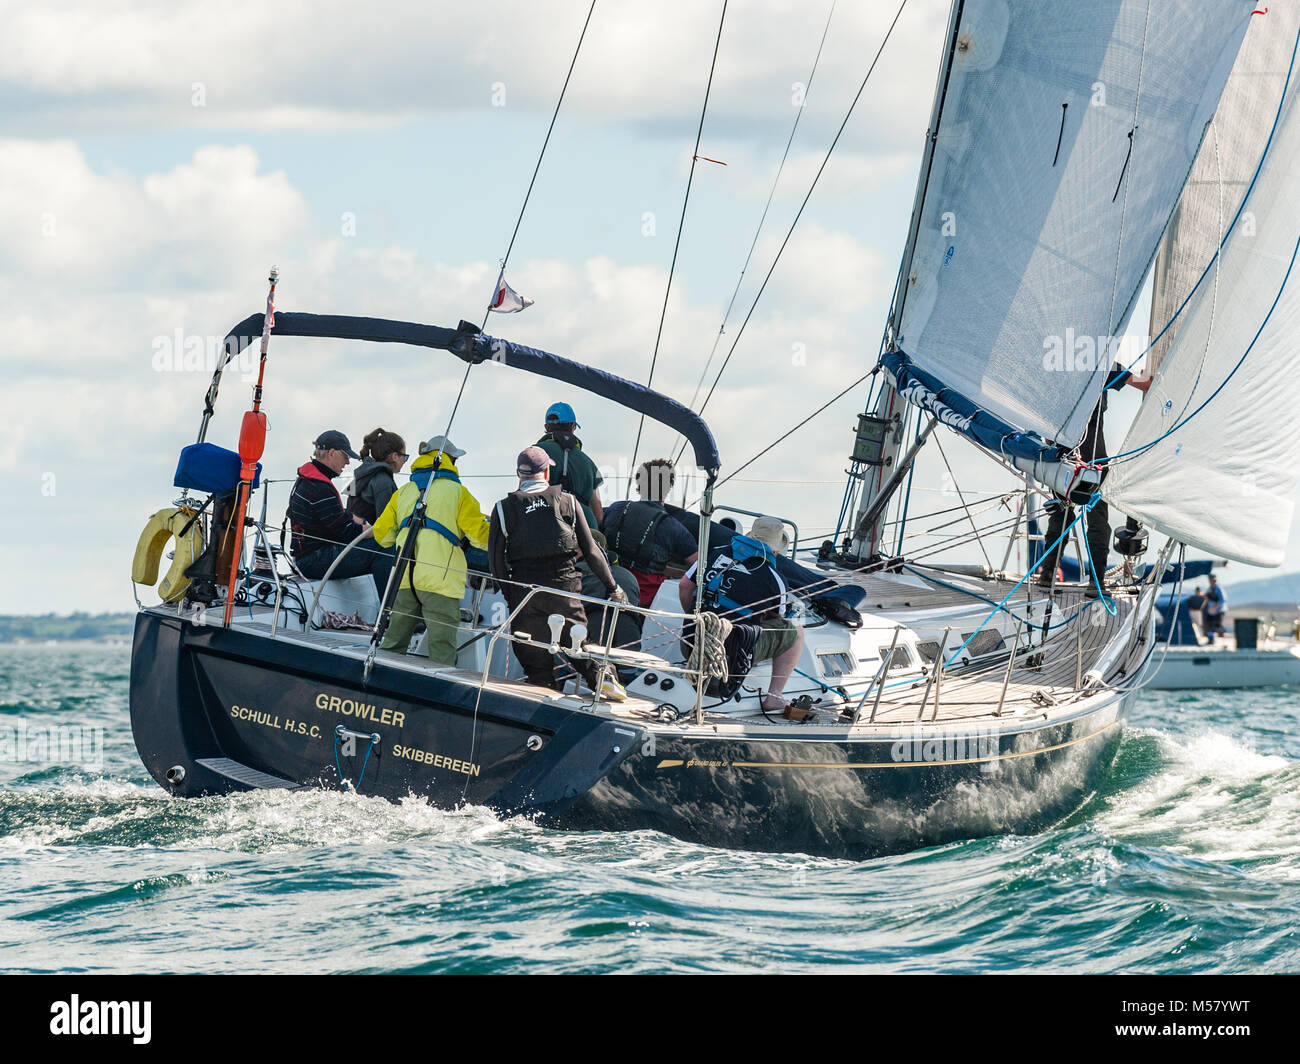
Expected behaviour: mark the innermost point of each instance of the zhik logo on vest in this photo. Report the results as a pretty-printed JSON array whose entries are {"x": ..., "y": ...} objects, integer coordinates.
[
  {"x": 536, "y": 504},
  {"x": 102, "y": 1017}
]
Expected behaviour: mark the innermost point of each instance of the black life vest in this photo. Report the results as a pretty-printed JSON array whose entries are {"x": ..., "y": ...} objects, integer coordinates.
[
  {"x": 539, "y": 526},
  {"x": 633, "y": 537}
]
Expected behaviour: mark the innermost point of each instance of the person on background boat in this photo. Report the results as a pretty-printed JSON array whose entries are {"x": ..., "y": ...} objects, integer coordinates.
[
  {"x": 642, "y": 533},
  {"x": 537, "y": 533},
  {"x": 573, "y": 469},
  {"x": 1214, "y": 609},
  {"x": 383, "y": 454},
  {"x": 1195, "y": 606},
  {"x": 1092, "y": 448},
  {"x": 321, "y": 524},
  {"x": 434, "y": 583},
  {"x": 741, "y": 583}
]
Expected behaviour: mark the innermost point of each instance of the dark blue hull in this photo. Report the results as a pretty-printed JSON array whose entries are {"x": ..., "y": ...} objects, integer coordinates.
[
  {"x": 206, "y": 694},
  {"x": 856, "y": 799},
  {"x": 204, "y": 697}
]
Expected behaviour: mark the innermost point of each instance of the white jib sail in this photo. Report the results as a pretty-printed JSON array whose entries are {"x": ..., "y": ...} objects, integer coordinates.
[
  {"x": 1223, "y": 412},
  {"x": 1038, "y": 224},
  {"x": 1227, "y": 161}
]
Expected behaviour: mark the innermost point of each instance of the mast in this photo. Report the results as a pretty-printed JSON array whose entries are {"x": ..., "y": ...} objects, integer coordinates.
[{"x": 885, "y": 422}]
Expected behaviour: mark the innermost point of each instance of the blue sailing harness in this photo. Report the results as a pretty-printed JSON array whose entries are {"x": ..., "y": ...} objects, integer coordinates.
[{"x": 420, "y": 478}]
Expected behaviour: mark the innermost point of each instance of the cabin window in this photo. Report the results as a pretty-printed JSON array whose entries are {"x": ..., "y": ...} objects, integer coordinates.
[
  {"x": 929, "y": 650},
  {"x": 837, "y": 663},
  {"x": 987, "y": 641}
]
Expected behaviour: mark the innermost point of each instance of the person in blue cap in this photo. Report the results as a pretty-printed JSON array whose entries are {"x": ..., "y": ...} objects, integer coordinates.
[{"x": 573, "y": 470}]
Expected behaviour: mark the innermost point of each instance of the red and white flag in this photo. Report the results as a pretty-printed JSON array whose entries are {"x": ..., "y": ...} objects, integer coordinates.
[{"x": 506, "y": 300}]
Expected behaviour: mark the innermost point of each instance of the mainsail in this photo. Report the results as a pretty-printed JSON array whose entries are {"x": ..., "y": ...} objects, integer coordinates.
[
  {"x": 1066, "y": 133},
  {"x": 1211, "y": 458}
]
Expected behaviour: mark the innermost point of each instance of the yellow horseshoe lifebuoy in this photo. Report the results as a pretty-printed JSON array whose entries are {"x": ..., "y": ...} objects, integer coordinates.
[{"x": 162, "y": 526}]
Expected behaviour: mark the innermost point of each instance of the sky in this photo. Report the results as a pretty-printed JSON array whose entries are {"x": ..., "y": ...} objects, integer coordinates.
[{"x": 157, "y": 158}]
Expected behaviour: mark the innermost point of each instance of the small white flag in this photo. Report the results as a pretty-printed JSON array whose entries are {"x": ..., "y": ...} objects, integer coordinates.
[{"x": 506, "y": 300}]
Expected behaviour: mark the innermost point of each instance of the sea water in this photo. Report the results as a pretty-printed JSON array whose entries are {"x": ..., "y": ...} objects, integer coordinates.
[{"x": 1187, "y": 860}]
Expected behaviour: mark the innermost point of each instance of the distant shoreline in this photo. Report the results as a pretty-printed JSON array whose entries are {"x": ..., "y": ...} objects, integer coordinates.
[{"x": 83, "y": 628}]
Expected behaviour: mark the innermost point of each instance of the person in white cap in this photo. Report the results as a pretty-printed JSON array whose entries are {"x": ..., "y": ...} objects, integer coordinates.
[
  {"x": 536, "y": 536},
  {"x": 741, "y": 583},
  {"x": 434, "y": 583}
]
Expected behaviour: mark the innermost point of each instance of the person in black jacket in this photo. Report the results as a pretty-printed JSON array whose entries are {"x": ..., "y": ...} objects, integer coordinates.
[{"x": 321, "y": 525}]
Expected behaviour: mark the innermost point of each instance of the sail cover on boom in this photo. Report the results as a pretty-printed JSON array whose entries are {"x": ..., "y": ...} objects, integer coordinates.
[
  {"x": 1212, "y": 456},
  {"x": 1040, "y": 212},
  {"x": 472, "y": 346}
]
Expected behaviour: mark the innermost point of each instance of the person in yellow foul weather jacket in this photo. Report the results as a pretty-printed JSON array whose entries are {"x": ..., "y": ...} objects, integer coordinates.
[{"x": 434, "y": 583}]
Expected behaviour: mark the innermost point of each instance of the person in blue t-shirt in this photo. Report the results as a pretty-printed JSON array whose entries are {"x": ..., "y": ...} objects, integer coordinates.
[{"x": 642, "y": 533}]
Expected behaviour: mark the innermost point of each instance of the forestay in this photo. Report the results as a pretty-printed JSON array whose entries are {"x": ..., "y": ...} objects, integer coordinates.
[
  {"x": 1222, "y": 417},
  {"x": 1038, "y": 222}
]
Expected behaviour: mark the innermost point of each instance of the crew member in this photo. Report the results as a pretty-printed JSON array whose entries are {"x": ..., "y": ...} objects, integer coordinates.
[
  {"x": 742, "y": 584},
  {"x": 1092, "y": 448},
  {"x": 434, "y": 583},
  {"x": 1214, "y": 609},
  {"x": 642, "y": 533},
  {"x": 572, "y": 469},
  {"x": 383, "y": 454},
  {"x": 322, "y": 527},
  {"x": 537, "y": 534}
]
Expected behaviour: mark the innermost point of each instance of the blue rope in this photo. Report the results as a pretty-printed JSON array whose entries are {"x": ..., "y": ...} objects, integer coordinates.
[
  {"x": 338, "y": 734},
  {"x": 374, "y": 738},
  {"x": 993, "y": 613},
  {"x": 1222, "y": 384}
]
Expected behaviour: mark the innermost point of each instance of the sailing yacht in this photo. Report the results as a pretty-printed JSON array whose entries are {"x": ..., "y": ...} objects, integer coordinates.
[{"x": 943, "y": 701}]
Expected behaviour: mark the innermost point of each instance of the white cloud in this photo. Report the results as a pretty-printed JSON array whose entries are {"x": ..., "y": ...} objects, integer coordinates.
[
  {"x": 204, "y": 221},
  {"x": 86, "y": 65}
]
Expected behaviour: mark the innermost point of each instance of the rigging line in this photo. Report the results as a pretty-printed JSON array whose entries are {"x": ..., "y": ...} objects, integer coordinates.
[
  {"x": 524, "y": 207},
  {"x": 799, "y": 214},
  {"x": 1268, "y": 144},
  {"x": 540, "y": 155},
  {"x": 791, "y": 432},
  {"x": 907, "y": 491},
  {"x": 681, "y": 227},
  {"x": 1125, "y": 179},
  {"x": 762, "y": 220},
  {"x": 962, "y": 499},
  {"x": 1222, "y": 384}
]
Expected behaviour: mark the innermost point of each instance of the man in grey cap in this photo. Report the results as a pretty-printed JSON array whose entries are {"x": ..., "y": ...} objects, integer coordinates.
[
  {"x": 536, "y": 536},
  {"x": 322, "y": 525}
]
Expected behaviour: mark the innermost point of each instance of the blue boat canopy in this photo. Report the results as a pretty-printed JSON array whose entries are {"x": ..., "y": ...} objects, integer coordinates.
[
  {"x": 957, "y": 412},
  {"x": 470, "y": 345}
]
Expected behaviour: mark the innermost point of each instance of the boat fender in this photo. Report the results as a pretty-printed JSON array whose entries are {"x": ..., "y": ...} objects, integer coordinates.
[{"x": 172, "y": 522}]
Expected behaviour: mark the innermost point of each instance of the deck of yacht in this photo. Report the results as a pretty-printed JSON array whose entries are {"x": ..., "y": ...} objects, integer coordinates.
[{"x": 1042, "y": 677}]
